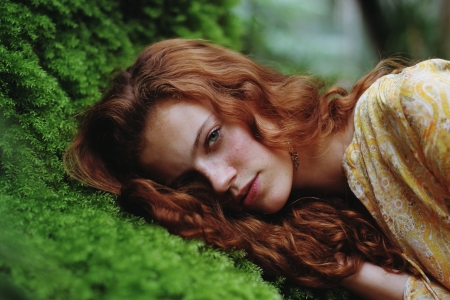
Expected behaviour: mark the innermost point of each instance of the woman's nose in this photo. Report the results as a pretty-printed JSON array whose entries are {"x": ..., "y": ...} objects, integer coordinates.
[{"x": 219, "y": 175}]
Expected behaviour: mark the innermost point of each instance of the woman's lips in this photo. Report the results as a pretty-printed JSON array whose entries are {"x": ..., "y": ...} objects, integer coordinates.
[{"x": 252, "y": 193}]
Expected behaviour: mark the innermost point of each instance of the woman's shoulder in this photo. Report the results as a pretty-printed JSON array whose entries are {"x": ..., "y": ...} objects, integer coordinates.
[
  {"x": 422, "y": 81},
  {"x": 424, "y": 72},
  {"x": 424, "y": 76},
  {"x": 434, "y": 65}
]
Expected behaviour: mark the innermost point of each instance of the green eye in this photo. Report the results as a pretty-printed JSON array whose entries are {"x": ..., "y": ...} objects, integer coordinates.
[{"x": 213, "y": 137}]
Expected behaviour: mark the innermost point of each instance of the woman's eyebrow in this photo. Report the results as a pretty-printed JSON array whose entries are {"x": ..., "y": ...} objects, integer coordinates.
[{"x": 199, "y": 133}]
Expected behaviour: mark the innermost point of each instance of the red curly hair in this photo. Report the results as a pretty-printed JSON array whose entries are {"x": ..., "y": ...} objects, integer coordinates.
[{"x": 300, "y": 241}]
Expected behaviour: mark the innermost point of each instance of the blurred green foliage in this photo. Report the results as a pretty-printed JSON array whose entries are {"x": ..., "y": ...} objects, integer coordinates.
[
  {"x": 410, "y": 28},
  {"x": 342, "y": 40}
]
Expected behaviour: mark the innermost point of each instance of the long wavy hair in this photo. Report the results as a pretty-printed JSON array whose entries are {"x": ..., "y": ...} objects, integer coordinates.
[{"x": 300, "y": 241}]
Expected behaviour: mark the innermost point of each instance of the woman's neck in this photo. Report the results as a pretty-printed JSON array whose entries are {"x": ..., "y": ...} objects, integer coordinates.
[{"x": 320, "y": 171}]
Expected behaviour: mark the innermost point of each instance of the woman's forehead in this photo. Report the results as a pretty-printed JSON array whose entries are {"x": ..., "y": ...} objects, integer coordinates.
[{"x": 176, "y": 115}]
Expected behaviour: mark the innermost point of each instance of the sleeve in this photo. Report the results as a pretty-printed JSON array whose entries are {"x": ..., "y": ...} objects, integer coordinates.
[
  {"x": 398, "y": 165},
  {"x": 417, "y": 288},
  {"x": 425, "y": 100}
]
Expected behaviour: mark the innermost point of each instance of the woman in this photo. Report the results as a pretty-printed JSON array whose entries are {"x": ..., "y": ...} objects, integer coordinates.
[{"x": 214, "y": 146}]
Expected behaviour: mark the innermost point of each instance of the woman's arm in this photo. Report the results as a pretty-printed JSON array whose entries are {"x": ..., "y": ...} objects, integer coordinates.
[{"x": 372, "y": 282}]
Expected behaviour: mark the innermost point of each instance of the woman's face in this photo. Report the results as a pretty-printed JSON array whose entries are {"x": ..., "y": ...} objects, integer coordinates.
[{"x": 188, "y": 137}]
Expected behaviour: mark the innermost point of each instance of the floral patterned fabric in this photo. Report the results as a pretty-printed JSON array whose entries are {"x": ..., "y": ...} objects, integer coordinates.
[{"x": 398, "y": 165}]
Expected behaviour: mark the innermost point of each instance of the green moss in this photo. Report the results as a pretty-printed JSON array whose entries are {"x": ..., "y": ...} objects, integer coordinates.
[{"x": 57, "y": 249}]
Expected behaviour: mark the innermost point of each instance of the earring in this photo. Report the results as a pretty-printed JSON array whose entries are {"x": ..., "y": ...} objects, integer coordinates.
[{"x": 294, "y": 158}]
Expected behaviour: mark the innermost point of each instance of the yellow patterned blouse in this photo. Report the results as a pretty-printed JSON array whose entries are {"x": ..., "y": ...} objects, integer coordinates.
[{"x": 398, "y": 165}]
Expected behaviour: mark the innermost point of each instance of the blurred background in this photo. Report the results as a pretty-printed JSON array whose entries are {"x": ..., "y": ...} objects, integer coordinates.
[{"x": 342, "y": 39}]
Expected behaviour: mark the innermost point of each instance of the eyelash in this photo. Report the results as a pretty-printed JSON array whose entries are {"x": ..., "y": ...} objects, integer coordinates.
[{"x": 208, "y": 145}]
